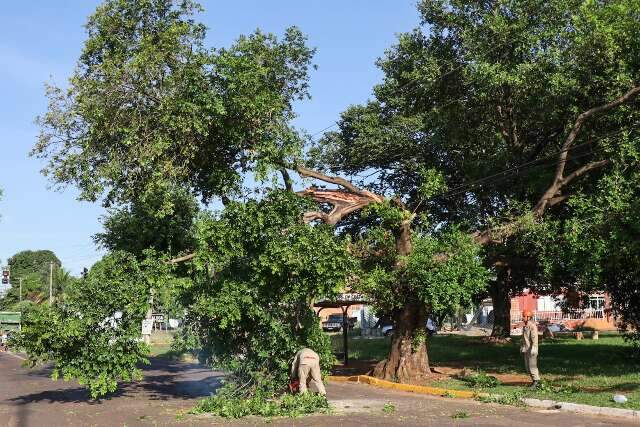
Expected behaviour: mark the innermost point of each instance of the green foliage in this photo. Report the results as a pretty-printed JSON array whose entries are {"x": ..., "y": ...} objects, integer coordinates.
[
  {"x": 225, "y": 404},
  {"x": 443, "y": 271},
  {"x": 33, "y": 267},
  {"x": 257, "y": 271},
  {"x": 603, "y": 239},
  {"x": 33, "y": 262},
  {"x": 481, "y": 380},
  {"x": 161, "y": 221},
  {"x": 460, "y": 415},
  {"x": 388, "y": 215},
  {"x": 150, "y": 107},
  {"x": 509, "y": 398},
  {"x": 452, "y": 282},
  {"x": 389, "y": 408},
  {"x": 94, "y": 334}
]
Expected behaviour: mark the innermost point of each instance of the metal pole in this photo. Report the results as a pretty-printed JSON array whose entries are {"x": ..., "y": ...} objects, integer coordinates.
[
  {"x": 51, "y": 283},
  {"x": 345, "y": 334}
]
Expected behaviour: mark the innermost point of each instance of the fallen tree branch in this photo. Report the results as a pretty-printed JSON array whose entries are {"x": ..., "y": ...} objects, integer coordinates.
[{"x": 182, "y": 258}]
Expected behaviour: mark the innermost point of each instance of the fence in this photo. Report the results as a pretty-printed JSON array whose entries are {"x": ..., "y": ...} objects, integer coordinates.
[{"x": 558, "y": 316}]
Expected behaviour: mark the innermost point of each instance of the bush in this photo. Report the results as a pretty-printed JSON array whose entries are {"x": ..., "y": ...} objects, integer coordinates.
[{"x": 481, "y": 380}]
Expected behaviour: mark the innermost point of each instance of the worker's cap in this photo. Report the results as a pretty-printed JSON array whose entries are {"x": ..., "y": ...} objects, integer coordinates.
[{"x": 527, "y": 313}]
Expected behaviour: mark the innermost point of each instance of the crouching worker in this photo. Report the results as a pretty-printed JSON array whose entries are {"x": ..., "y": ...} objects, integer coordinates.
[
  {"x": 529, "y": 347},
  {"x": 306, "y": 368}
]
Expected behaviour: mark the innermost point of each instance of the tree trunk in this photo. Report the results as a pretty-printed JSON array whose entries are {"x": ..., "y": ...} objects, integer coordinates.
[
  {"x": 501, "y": 298},
  {"x": 407, "y": 359}
]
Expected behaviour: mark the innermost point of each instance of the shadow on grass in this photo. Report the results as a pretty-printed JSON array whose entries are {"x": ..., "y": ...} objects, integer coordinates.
[
  {"x": 608, "y": 356},
  {"x": 563, "y": 357}
]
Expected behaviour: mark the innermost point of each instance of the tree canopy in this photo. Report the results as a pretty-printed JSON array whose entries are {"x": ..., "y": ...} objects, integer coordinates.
[
  {"x": 150, "y": 107},
  {"x": 162, "y": 222},
  {"x": 490, "y": 116},
  {"x": 489, "y": 94},
  {"x": 249, "y": 302}
]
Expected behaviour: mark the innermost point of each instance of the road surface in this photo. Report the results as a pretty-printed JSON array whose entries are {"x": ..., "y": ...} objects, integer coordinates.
[{"x": 28, "y": 397}]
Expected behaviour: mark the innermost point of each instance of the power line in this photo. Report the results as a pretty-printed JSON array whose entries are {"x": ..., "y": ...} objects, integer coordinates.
[
  {"x": 410, "y": 82},
  {"x": 530, "y": 165},
  {"x": 530, "y": 168}
]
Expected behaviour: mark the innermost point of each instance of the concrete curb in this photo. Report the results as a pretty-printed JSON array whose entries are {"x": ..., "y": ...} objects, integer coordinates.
[
  {"x": 433, "y": 391},
  {"x": 536, "y": 403},
  {"x": 583, "y": 409}
]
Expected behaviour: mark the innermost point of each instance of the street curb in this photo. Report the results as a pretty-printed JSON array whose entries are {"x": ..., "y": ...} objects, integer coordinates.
[
  {"x": 433, "y": 391},
  {"x": 583, "y": 409},
  {"x": 536, "y": 403}
]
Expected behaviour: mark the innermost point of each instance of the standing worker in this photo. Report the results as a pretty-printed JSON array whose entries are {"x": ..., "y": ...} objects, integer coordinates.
[
  {"x": 306, "y": 368},
  {"x": 529, "y": 347}
]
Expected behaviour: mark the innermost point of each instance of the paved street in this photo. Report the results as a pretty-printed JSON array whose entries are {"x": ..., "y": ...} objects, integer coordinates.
[{"x": 31, "y": 398}]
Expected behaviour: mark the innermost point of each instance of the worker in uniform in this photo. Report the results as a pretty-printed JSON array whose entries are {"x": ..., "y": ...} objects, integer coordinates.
[
  {"x": 306, "y": 368},
  {"x": 529, "y": 347}
]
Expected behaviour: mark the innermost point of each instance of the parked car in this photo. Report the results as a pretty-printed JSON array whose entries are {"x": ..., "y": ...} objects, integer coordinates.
[
  {"x": 334, "y": 323},
  {"x": 558, "y": 327},
  {"x": 432, "y": 328}
]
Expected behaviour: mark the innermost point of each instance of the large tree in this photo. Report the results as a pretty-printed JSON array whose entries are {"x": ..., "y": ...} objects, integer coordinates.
[
  {"x": 513, "y": 101},
  {"x": 149, "y": 110},
  {"x": 34, "y": 269},
  {"x": 490, "y": 86}
]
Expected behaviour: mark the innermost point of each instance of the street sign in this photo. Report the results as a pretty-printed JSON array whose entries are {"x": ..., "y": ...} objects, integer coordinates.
[{"x": 147, "y": 326}]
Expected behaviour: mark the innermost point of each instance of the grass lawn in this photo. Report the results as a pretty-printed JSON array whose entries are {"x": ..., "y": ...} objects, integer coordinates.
[{"x": 585, "y": 371}]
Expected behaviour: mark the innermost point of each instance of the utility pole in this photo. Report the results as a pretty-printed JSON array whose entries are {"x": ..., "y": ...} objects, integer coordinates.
[
  {"x": 20, "y": 279},
  {"x": 51, "y": 283}
]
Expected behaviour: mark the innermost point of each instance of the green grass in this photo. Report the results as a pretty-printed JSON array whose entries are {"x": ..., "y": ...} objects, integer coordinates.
[{"x": 585, "y": 371}]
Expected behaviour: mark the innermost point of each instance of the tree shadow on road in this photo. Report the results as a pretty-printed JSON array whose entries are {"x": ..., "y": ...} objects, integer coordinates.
[{"x": 163, "y": 380}]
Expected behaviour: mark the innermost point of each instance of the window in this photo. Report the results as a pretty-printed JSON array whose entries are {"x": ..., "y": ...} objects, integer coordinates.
[{"x": 596, "y": 302}]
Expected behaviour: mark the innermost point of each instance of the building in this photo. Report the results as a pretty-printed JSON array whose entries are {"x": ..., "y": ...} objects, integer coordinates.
[{"x": 571, "y": 309}]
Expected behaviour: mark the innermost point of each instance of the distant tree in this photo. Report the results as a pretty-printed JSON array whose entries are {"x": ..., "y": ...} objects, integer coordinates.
[
  {"x": 32, "y": 290},
  {"x": 33, "y": 262},
  {"x": 34, "y": 268}
]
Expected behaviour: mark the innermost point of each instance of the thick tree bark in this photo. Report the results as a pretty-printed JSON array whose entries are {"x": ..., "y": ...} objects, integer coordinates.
[
  {"x": 501, "y": 298},
  {"x": 407, "y": 359}
]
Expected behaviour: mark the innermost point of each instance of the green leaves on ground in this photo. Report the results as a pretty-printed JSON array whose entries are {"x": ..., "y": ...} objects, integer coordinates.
[
  {"x": 225, "y": 404},
  {"x": 481, "y": 380}
]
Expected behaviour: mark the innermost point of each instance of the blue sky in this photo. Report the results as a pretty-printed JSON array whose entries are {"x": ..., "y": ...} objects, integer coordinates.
[{"x": 41, "y": 42}]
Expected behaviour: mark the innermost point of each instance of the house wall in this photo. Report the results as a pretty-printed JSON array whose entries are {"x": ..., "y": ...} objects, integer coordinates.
[
  {"x": 352, "y": 311},
  {"x": 530, "y": 301}
]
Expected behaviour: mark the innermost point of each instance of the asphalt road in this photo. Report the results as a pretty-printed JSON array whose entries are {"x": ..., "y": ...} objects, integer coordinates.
[{"x": 28, "y": 397}]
